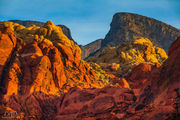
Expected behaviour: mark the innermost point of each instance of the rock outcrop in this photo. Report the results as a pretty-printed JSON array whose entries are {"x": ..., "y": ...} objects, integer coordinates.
[
  {"x": 91, "y": 48},
  {"x": 139, "y": 74},
  {"x": 128, "y": 26},
  {"x": 128, "y": 55}
]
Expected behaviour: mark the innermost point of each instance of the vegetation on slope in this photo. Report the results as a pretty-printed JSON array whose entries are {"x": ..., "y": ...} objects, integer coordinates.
[{"x": 129, "y": 54}]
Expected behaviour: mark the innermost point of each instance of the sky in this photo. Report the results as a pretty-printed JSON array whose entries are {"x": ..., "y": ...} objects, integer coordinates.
[{"x": 88, "y": 20}]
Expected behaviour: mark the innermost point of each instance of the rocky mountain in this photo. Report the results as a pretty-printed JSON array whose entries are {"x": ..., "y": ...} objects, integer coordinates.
[
  {"x": 90, "y": 48},
  {"x": 128, "y": 26},
  {"x": 28, "y": 23}
]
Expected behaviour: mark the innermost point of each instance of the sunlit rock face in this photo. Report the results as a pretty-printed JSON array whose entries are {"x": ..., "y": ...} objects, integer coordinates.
[
  {"x": 123, "y": 58},
  {"x": 43, "y": 59},
  {"x": 39, "y": 65},
  {"x": 128, "y": 26}
]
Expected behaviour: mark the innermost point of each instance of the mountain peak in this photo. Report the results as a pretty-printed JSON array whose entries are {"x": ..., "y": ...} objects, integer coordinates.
[{"x": 129, "y": 26}]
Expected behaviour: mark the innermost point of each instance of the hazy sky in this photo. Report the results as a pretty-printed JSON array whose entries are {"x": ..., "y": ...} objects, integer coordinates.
[{"x": 88, "y": 19}]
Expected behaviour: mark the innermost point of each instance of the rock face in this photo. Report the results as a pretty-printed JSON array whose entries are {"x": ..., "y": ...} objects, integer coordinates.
[
  {"x": 90, "y": 48},
  {"x": 7, "y": 45},
  {"x": 129, "y": 54},
  {"x": 139, "y": 74},
  {"x": 107, "y": 103},
  {"x": 29, "y": 23},
  {"x": 127, "y": 26}
]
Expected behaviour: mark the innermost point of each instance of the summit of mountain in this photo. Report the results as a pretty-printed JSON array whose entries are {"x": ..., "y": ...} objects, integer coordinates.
[{"x": 129, "y": 26}]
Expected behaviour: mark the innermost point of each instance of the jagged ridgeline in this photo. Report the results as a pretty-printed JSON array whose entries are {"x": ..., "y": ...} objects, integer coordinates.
[{"x": 43, "y": 59}]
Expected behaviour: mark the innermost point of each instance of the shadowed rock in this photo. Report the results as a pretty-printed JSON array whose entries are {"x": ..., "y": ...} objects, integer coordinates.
[{"x": 128, "y": 26}]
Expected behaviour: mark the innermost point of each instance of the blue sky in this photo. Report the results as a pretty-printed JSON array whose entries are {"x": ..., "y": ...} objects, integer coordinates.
[{"x": 88, "y": 19}]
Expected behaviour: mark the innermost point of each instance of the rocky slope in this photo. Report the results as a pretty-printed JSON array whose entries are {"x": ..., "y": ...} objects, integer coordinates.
[
  {"x": 29, "y": 23},
  {"x": 121, "y": 59},
  {"x": 90, "y": 48},
  {"x": 128, "y": 26}
]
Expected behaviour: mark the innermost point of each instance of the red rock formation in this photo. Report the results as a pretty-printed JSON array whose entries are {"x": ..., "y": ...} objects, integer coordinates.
[
  {"x": 33, "y": 67},
  {"x": 51, "y": 65},
  {"x": 91, "y": 103},
  {"x": 139, "y": 75}
]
